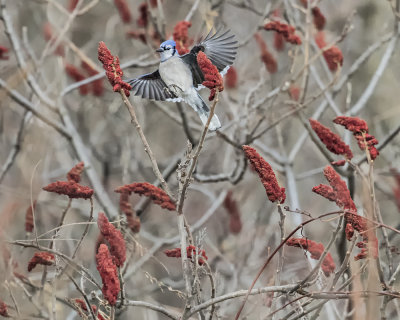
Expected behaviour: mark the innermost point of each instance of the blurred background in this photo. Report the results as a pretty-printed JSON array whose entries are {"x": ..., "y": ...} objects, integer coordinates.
[{"x": 57, "y": 109}]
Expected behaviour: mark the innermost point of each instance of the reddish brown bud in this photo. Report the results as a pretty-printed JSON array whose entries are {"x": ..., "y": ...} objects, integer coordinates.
[
  {"x": 266, "y": 56},
  {"x": 369, "y": 247},
  {"x": 123, "y": 10},
  {"x": 29, "y": 217},
  {"x": 83, "y": 307},
  {"x": 331, "y": 140},
  {"x": 333, "y": 55},
  {"x": 212, "y": 78},
  {"x": 143, "y": 20},
  {"x": 367, "y": 141},
  {"x": 131, "y": 218},
  {"x": 108, "y": 273},
  {"x": 349, "y": 231},
  {"x": 353, "y": 124},
  {"x": 279, "y": 40},
  {"x": 181, "y": 37},
  {"x": 231, "y": 78},
  {"x": 369, "y": 244},
  {"x": 318, "y": 18},
  {"x": 343, "y": 198},
  {"x": 42, "y": 258},
  {"x": 81, "y": 304},
  {"x": 360, "y": 131},
  {"x": 70, "y": 189},
  {"x": 325, "y": 191},
  {"x": 191, "y": 253},
  {"x": 114, "y": 238},
  {"x": 294, "y": 92},
  {"x": 235, "y": 222},
  {"x": 157, "y": 195},
  {"x": 99, "y": 316},
  {"x": 99, "y": 240},
  {"x": 266, "y": 174},
  {"x": 75, "y": 173},
  {"x": 315, "y": 249},
  {"x": 3, "y": 52},
  {"x": 113, "y": 69},
  {"x": 286, "y": 30},
  {"x": 339, "y": 163},
  {"x": 3, "y": 310}
]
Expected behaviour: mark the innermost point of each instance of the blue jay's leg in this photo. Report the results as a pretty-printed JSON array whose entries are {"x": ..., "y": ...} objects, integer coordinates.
[{"x": 198, "y": 104}]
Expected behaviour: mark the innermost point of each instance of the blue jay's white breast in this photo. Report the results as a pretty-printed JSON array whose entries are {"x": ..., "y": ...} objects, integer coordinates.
[{"x": 176, "y": 72}]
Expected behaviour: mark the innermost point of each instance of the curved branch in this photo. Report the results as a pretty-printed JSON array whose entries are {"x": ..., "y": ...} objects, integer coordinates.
[{"x": 133, "y": 303}]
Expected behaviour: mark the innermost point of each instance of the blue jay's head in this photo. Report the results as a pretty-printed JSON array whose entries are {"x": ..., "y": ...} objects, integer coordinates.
[{"x": 167, "y": 50}]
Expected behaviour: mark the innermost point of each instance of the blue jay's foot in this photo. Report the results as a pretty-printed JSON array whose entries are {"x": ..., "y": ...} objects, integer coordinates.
[{"x": 174, "y": 89}]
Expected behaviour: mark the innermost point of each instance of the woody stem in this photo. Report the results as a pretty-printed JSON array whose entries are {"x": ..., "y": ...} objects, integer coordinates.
[{"x": 147, "y": 148}]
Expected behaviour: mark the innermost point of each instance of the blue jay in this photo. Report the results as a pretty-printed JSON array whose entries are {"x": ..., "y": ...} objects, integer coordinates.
[{"x": 179, "y": 77}]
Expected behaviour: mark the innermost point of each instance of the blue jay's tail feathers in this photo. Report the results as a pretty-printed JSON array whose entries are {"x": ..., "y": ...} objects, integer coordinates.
[{"x": 198, "y": 104}]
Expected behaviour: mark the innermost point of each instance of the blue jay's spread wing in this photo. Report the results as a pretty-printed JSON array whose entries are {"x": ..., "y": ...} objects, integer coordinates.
[
  {"x": 219, "y": 47},
  {"x": 151, "y": 86}
]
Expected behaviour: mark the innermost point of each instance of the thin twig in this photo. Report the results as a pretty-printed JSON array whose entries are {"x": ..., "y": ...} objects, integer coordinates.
[
  {"x": 16, "y": 147},
  {"x": 147, "y": 148},
  {"x": 86, "y": 229},
  {"x": 83, "y": 295},
  {"x": 23, "y": 102},
  {"x": 370, "y": 89},
  {"x": 12, "y": 35},
  {"x": 13, "y": 298},
  {"x": 240, "y": 293},
  {"x": 196, "y": 156},
  {"x": 213, "y": 289},
  {"x": 61, "y": 255},
  {"x": 164, "y": 311},
  {"x": 274, "y": 253},
  {"x": 192, "y": 10},
  {"x": 323, "y": 255}
]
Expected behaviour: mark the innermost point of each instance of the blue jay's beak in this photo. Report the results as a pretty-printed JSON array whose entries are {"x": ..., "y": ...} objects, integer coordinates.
[{"x": 159, "y": 50}]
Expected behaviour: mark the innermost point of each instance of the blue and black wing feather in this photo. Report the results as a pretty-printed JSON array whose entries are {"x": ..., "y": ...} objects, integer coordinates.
[
  {"x": 220, "y": 47},
  {"x": 151, "y": 86}
]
